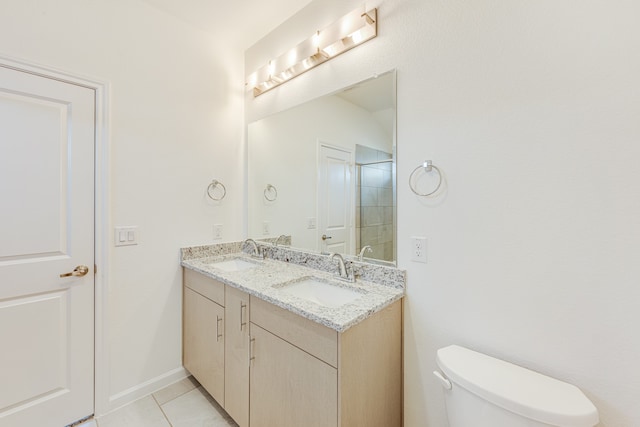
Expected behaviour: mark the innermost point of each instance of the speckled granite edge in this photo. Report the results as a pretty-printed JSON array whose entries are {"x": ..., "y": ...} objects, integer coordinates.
[
  {"x": 206, "y": 251},
  {"x": 338, "y": 324},
  {"x": 282, "y": 240},
  {"x": 383, "y": 275}
]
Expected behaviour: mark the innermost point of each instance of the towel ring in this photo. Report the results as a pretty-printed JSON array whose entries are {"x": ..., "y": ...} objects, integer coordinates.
[
  {"x": 211, "y": 188},
  {"x": 270, "y": 190},
  {"x": 427, "y": 166}
]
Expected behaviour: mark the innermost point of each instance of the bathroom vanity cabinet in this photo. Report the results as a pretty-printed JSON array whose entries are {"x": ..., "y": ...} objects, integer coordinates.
[
  {"x": 294, "y": 379},
  {"x": 216, "y": 341},
  {"x": 279, "y": 368},
  {"x": 203, "y": 333},
  {"x": 303, "y": 373}
]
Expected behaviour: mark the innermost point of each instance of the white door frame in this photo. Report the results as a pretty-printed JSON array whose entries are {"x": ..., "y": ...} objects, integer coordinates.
[
  {"x": 101, "y": 226},
  {"x": 322, "y": 143}
]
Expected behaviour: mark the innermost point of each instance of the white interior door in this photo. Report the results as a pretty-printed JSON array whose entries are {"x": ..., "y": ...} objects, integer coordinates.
[
  {"x": 46, "y": 230},
  {"x": 334, "y": 199}
]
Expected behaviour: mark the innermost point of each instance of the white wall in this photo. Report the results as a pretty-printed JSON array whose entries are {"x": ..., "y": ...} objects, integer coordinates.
[
  {"x": 176, "y": 123},
  {"x": 531, "y": 111},
  {"x": 283, "y": 151}
]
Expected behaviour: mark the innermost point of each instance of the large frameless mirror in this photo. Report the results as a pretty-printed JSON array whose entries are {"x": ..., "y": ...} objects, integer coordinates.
[{"x": 324, "y": 173}]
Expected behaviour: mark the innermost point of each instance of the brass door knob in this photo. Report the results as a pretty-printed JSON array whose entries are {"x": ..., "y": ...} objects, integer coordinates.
[
  {"x": 325, "y": 237},
  {"x": 79, "y": 271}
]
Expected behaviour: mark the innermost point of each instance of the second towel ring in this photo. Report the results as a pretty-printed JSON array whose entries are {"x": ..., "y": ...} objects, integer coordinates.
[
  {"x": 211, "y": 188},
  {"x": 270, "y": 193},
  {"x": 427, "y": 166}
]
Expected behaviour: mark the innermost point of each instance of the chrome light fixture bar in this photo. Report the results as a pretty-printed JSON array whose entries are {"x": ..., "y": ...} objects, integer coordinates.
[{"x": 353, "y": 29}]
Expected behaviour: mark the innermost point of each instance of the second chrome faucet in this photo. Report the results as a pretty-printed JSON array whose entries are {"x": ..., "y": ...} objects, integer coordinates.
[
  {"x": 257, "y": 253},
  {"x": 344, "y": 273}
]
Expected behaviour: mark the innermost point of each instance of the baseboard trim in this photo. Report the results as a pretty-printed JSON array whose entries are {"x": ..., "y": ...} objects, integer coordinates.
[{"x": 146, "y": 388}]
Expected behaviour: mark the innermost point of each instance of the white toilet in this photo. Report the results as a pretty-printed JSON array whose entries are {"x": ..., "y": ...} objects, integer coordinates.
[{"x": 481, "y": 391}]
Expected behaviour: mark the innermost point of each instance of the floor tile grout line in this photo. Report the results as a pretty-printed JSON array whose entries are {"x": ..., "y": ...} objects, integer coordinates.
[
  {"x": 220, "y": 413},
  {"x": 162, "y": 410},
  {"x": 175, "y": 397}
]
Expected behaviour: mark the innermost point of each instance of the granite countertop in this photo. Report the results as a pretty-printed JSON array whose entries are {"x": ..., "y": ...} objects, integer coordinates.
[{"x": 266, "y": 281}]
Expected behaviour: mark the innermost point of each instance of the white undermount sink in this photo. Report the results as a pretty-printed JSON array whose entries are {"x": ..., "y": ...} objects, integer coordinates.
[
  {"x": 234, "y": 264},
  {"x": 320, "y": 292}
]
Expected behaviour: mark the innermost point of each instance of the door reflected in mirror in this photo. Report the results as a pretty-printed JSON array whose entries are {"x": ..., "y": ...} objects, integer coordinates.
[{"x": 332, "y": 161}]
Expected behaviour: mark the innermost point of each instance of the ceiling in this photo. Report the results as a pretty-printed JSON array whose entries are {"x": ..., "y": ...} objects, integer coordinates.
[
  {"x": 373, "y": 95},
  {"x": 241, "y": 22}
]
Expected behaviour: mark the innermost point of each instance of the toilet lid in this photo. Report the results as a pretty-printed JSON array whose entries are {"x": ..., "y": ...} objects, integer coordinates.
[{"x": 519, "y": 390}]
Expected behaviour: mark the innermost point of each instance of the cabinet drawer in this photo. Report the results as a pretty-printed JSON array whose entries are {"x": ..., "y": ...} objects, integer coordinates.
[
  {"x": 204, "y": 285},
  {"x": 314, "y": 338}
]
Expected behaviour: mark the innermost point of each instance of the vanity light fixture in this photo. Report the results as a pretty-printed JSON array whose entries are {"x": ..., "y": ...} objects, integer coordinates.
[{"x": 353, "y": 29}]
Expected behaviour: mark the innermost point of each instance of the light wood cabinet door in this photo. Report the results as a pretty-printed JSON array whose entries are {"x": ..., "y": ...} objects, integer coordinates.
[
  {"x": 289, "y": 387},
  {"x": 370, "y": 371},
  {"x": 204, "y": 342},
  {"x": 236, "y": 394}
]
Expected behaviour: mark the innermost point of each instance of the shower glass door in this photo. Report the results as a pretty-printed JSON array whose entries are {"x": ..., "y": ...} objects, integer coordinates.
[{"x": 375, "y": 203}]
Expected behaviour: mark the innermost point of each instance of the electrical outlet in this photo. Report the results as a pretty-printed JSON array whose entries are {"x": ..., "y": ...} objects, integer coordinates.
[
  {"x": 419, "y": 249},
  {"x": 217, "y": 231},
  {"x": 311, "y": 223},
  {"x": 266, "y": 228}
]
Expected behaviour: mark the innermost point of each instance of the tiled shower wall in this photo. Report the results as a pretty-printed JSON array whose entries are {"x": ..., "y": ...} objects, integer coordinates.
[{"x": 375, "y": 204}]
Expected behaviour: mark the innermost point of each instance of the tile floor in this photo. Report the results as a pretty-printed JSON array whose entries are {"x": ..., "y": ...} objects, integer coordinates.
[{"x": 183, "y": 404}]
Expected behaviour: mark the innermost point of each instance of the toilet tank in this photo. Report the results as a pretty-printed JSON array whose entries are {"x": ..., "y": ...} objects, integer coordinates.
[{"x": 481, "y": 391}]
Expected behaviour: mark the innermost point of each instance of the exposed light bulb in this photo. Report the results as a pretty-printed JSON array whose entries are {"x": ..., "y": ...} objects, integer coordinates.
[
  {"x": 351, "y": 30},
  {"x": 357, "y": 37},
  {"x": 292, "y": 57}
]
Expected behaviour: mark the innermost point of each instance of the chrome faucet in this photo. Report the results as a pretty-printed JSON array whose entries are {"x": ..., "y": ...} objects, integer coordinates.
[
  {"x": 366, "y": 248},
  {"x": 257, "y": 253},
  {"x": 282, "y": 236},
  {"x": 343, "y": 272}
]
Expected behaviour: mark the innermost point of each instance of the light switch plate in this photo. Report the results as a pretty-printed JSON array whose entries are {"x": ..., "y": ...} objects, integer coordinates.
[{"x": 126, "y": 235}]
